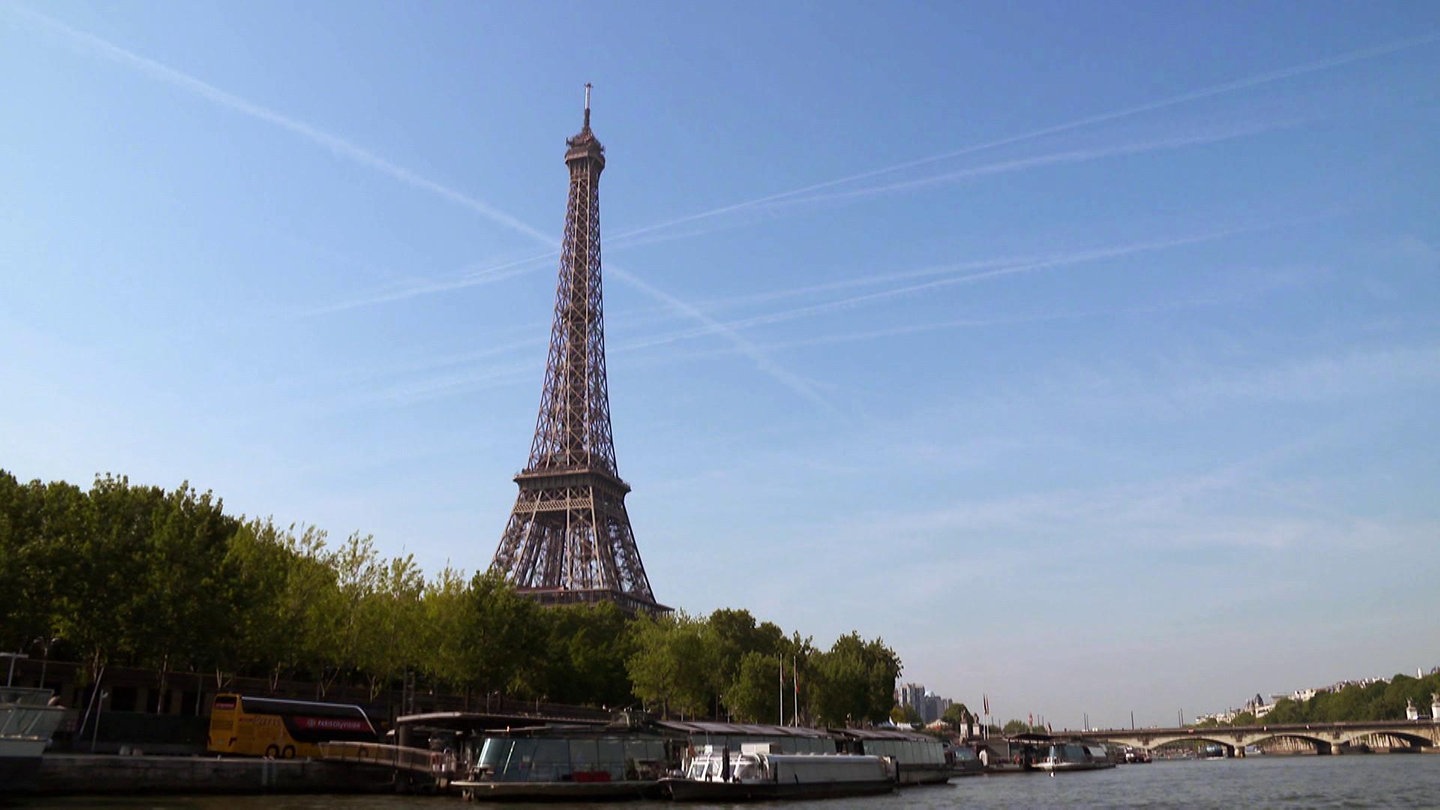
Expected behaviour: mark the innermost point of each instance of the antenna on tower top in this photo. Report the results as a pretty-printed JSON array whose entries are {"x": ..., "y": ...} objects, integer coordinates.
[{"x": 587, "y": 105}]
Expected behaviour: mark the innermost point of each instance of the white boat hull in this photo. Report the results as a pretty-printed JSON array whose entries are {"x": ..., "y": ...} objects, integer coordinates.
[{"x": 26, "y": 723}]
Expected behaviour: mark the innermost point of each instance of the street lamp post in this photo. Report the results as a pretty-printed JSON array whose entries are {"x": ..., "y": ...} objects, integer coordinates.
[{"x": 99, "y": 707}]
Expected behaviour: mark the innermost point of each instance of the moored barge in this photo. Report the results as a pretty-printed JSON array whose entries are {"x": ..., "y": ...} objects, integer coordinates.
[{"x": 759, "y": 772}]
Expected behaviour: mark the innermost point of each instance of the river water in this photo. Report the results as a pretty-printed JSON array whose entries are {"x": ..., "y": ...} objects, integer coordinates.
[{"x": 1263, "y": 782}]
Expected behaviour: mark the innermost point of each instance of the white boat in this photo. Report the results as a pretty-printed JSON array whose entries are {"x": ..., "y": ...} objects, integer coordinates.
[
  {"x": 26, "y": 722},
  {"x": 760, "y": 773}
]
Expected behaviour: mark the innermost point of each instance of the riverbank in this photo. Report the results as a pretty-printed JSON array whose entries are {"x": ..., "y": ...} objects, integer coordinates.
[
  {"x": 1275, "y": 783},
  {"x": 98, "y": 774}
]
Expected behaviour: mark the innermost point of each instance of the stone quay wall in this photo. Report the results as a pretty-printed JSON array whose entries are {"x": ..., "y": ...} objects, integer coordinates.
[{"x": 81, "y": 774}]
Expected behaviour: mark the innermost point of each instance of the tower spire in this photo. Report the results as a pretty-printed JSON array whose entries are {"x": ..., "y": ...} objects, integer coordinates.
[{"x": 569, "y": 538}]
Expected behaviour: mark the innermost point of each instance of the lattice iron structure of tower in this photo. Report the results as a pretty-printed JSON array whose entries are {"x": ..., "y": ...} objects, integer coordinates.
[{"x": 569, "y": 538}]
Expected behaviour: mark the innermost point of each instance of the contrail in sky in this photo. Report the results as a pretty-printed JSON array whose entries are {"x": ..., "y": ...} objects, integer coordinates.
[
  {"x": 799, "y": 196},
  {"x": 487, "y": 274},
  {"x": 1246, "y": 83},
  {"x": 349, "y": 151},
  {"x": 492, "y": 273},
  {"x": 1021, "y": 164},
  {"x": 338, "y": 146},
  {"x": 948, "y": 281}
]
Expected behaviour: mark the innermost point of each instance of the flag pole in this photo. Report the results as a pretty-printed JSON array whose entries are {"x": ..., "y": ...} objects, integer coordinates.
[
  {"x": 795, "y": 682},
  {"x": 780, "y": 659}
]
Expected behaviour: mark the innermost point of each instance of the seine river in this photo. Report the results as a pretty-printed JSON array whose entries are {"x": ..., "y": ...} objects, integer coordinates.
[{"x": 1382, "y": 780}]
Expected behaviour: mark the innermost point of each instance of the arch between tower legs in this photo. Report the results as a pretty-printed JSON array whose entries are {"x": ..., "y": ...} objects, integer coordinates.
[{"x": 570, "y": 531}]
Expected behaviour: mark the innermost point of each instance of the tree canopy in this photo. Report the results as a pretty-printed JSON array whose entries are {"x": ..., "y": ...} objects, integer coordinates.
[
  {"x": 1379, "y": 700},
  {"x": 166, "y": 580}
]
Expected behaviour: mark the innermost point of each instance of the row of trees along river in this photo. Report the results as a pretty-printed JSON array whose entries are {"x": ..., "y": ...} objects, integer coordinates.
[
  {"x": 1375, "y": 700},
  {"x": 137, "y": 576}
]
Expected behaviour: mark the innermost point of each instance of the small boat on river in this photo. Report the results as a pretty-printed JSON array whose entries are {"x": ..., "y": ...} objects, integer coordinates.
[
  {"x": 759, "y": 772},
  {"x": 27, "y": 719},
  {"x": 1073, "y": 755},
  {"x": 1032, "y": 752},
  {"x": 964, "y": 761}
]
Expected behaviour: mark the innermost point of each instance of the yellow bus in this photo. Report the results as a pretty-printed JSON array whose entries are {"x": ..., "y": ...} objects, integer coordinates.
[{"x": 282, "y": 729}]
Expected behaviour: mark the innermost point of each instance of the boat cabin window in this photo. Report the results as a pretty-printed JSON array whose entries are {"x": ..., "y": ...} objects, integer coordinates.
[
  {"x": 585, "y": 755},
  {"x": 700, "y": 768},
  {"x": 525, "y": 759},
  {"x": 788, "y": 744},
  {"x": 562, "y": 759},
  {"x": 612, "y": 758},
  {"x": 911, "y": 752},
  {"x": 748, "y": 769}
]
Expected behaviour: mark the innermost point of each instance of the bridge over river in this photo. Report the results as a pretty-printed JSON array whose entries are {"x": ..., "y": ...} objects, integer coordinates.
[{"x": 1324, "y": 738}]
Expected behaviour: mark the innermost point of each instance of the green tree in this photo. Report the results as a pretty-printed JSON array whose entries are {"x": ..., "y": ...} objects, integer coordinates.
[
  {"x": 357, "y": 577},
  {"x": 1398, "y": 692},
  {"x": 26, "y": 575},
  {"x": 669, "y": 666},
  {"x": 391, "y": 621},
  {"x": 904, "y": 714},
  {"x": 181, "y": 596},
  {"x": 502, "y": 635},
  {"x": 445, "y": 607},
  {"x": 584, "y": 653},
  {"x": 264, "y": 636},
  {"x": 1286, "y": 711},
  {"x": 802, "y": 680},
  {"x": 99, "y": 612},
  {"x": 730, "y": 636},
  {"x": 756, "y": 692},
  {"x": 856, "y": 682},
  {"x": 958, "y": 716},
  {"x": 308, "y": 605},
  {"x": 1013, "y": 727}
]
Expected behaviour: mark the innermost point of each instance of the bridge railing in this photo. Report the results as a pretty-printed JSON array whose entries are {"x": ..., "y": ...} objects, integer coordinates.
[{"x": 440, "y": 764}]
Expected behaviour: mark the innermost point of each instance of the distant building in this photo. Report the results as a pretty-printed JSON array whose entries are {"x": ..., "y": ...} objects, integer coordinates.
[
  {"x": 928, "y": 706},
  {"x": 936, "y": 707},
  {"x": 1258, "y": 707},
  {"x": 912, "y": 695}
]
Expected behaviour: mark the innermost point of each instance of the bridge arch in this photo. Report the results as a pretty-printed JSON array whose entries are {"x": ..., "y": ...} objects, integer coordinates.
[
  {"x": 1196, "y": 741},
  {"x": 1322, "y": 738}
]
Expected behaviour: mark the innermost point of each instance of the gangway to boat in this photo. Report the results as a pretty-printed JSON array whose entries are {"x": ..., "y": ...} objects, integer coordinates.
[{"x": 440, "y": 765}]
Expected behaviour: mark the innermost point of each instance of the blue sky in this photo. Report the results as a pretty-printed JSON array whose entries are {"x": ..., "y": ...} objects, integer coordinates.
[{"x": 1087, "y": 353}]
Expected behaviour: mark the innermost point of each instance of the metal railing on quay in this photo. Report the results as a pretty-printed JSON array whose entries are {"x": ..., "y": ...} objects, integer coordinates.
[{"x": 417, "y": 760}]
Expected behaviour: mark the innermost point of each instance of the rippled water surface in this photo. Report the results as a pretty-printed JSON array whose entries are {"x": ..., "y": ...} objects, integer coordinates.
[{"x": 1261, "y": 782}]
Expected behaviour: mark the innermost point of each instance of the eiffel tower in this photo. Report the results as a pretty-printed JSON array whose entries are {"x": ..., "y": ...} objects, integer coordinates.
[{"x": 569, "y": 538}]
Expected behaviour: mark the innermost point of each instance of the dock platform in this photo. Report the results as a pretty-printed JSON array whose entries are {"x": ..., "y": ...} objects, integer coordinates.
[{"x": 100, "y": 774}]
